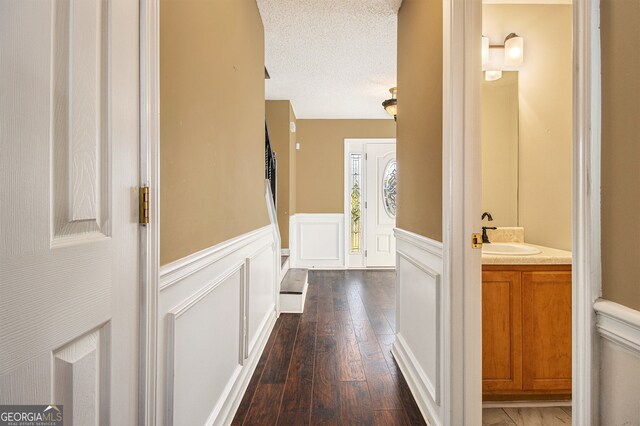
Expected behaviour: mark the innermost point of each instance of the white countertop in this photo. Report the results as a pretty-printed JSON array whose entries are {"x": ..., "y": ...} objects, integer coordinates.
[{"x": 547, "y": 256}]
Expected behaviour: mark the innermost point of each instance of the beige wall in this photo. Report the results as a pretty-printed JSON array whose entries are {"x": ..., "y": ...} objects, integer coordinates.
[
  {"x": 545, "y": 81},
  {"x": 212, "y": 123},
  {"x": 419, "y": 128},
  {"x": 279, "y": 115},
  {"x": 320, "y": 160},
  {"x": 500, "y": 149},
  {"x": 620, "y": 31}
]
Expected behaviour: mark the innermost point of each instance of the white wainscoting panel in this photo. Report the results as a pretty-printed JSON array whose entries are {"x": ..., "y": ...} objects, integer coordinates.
[
  {"x": 619, "y": 328},
  {"x": 198, "y": 370},
  {"x": 419, "y": 346},
  {"x": 260, "y": 293},
  {"x": 216, "y": 310},
  {"x": 317, "y": 241}
]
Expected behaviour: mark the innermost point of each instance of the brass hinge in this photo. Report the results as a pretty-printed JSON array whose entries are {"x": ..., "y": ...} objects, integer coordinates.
[
  {"x": 144, "y": 205},
  {"x": 476, "y": 240}
]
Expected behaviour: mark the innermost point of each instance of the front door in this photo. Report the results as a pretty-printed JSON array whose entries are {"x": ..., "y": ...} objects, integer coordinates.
[
  {"x": 380, "y": 204},
  {"x": 69, "y": 168}
]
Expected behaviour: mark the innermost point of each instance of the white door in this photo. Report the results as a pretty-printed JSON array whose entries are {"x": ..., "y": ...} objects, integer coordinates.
[
  {"x": 69, "y": 164},
  {"x": 380, "y": 207}
]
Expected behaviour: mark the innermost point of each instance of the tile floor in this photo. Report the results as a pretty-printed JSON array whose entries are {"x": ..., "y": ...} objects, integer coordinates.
[{"x": 529, "y": 416}]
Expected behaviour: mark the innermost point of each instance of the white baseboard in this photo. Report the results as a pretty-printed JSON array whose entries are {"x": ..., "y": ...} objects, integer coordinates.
[{"x": 410, "y": 370}]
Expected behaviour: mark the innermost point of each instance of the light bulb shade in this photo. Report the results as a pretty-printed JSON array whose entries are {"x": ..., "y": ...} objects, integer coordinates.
[
  {"x": 513, "y": 50},
  {"x": 492, "y": 75},
  {"x": 485, "y": 50},
  {"x": 391, "y": 106}
]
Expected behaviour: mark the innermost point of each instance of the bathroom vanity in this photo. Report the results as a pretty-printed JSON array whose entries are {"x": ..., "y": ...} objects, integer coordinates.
[{"x": 526, "y": 325}]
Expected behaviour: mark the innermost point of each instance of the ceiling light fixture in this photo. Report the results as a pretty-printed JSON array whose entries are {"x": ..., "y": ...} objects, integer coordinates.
[{"x": 391, "y": 105}]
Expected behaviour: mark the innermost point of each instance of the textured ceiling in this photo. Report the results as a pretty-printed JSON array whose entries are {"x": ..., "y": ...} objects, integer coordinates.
[{"x": 331, "y": 58}]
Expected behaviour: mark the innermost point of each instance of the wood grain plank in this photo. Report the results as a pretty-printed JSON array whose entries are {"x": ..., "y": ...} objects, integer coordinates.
[
  {"x": 296, "y": 402},
  {"x": 350, "y": 366},
  {"x": 409, "y": 403},
  {"x": 384, "y": 389},
  {"x": 310, "y": 311},
  {"x": 496, "y": 417},
  {"x": 391, "y": 418},
  {"x": 326, "y": 314},
  {"x": 355, "y": 404},
  {"x": 265, "y": 406},
  {"x": 243, "y": 408},
  {"x": 539, "y": 416},
  {"x": 277, "y": 366},
  {"x": 325, "y": 386}
]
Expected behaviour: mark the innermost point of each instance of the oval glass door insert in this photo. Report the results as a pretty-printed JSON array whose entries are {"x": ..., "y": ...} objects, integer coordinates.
[{"x": 389, "y": 186}]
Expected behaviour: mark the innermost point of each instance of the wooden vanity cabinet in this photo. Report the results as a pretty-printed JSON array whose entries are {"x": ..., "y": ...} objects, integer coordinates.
[{"x": 526, "y": 331}]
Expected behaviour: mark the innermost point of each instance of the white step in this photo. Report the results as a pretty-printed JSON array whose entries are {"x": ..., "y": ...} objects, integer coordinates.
[
  {"x": 293, "y": 291},
  {"x": 284, "y": 267}
]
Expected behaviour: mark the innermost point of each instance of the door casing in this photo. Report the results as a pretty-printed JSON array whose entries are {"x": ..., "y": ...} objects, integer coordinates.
[
  {"x": 462, "y": 29},
  {"x": 353, "y": 145}
]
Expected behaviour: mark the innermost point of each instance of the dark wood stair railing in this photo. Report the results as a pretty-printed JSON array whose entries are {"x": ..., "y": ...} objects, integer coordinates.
[{"x": 270, "y": 169}]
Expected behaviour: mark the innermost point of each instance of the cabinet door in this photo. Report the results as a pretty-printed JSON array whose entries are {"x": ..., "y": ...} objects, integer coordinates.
[
  {"x": 547, "y": 330},
  {"x": 501, "y": 331}
]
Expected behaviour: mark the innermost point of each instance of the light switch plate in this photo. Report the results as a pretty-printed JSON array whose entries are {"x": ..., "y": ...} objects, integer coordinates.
[{"x": 292, "y": 126}]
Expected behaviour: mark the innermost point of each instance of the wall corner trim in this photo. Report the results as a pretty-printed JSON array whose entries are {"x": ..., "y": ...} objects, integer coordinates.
[{"x": 618, "y": 324}]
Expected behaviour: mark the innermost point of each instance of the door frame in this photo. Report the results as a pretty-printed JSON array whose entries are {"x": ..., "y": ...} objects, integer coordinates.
[
  {"x": 462, "y": 28},
  {"x": 348, "y": 143},
  {"x": 150, "y": 233}
]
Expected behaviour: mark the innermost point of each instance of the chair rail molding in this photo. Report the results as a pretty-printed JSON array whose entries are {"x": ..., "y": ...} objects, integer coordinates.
[{"x": 618, "y": 324}]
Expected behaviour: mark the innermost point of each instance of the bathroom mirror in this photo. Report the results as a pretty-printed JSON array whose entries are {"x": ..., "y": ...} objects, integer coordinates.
[{"x": 500, "y": 156}]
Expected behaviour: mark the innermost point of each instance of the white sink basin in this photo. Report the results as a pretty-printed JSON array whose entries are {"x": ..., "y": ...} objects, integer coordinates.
[{"x": 509, "y": 249}]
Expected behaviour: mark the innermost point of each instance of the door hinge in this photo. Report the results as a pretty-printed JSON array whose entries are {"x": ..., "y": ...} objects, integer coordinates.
[
  {"x": 144, "y": 205},
  {"x": 366, "y": 156},
  {"x": 366, "y": 253},
  {"x": 365, "y": 204},
  {"x": 476, "y": 240}
]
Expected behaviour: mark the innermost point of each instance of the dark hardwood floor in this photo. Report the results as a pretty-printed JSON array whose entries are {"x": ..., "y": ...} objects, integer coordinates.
[{"x": 332, "y": 365}]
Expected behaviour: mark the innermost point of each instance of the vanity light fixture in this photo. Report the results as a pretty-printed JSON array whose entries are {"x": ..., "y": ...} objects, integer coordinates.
[
  {"x": 391, "y": 105},
  {"x": 492, "y": 75},
  {"x": 513, "y": 50}
]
